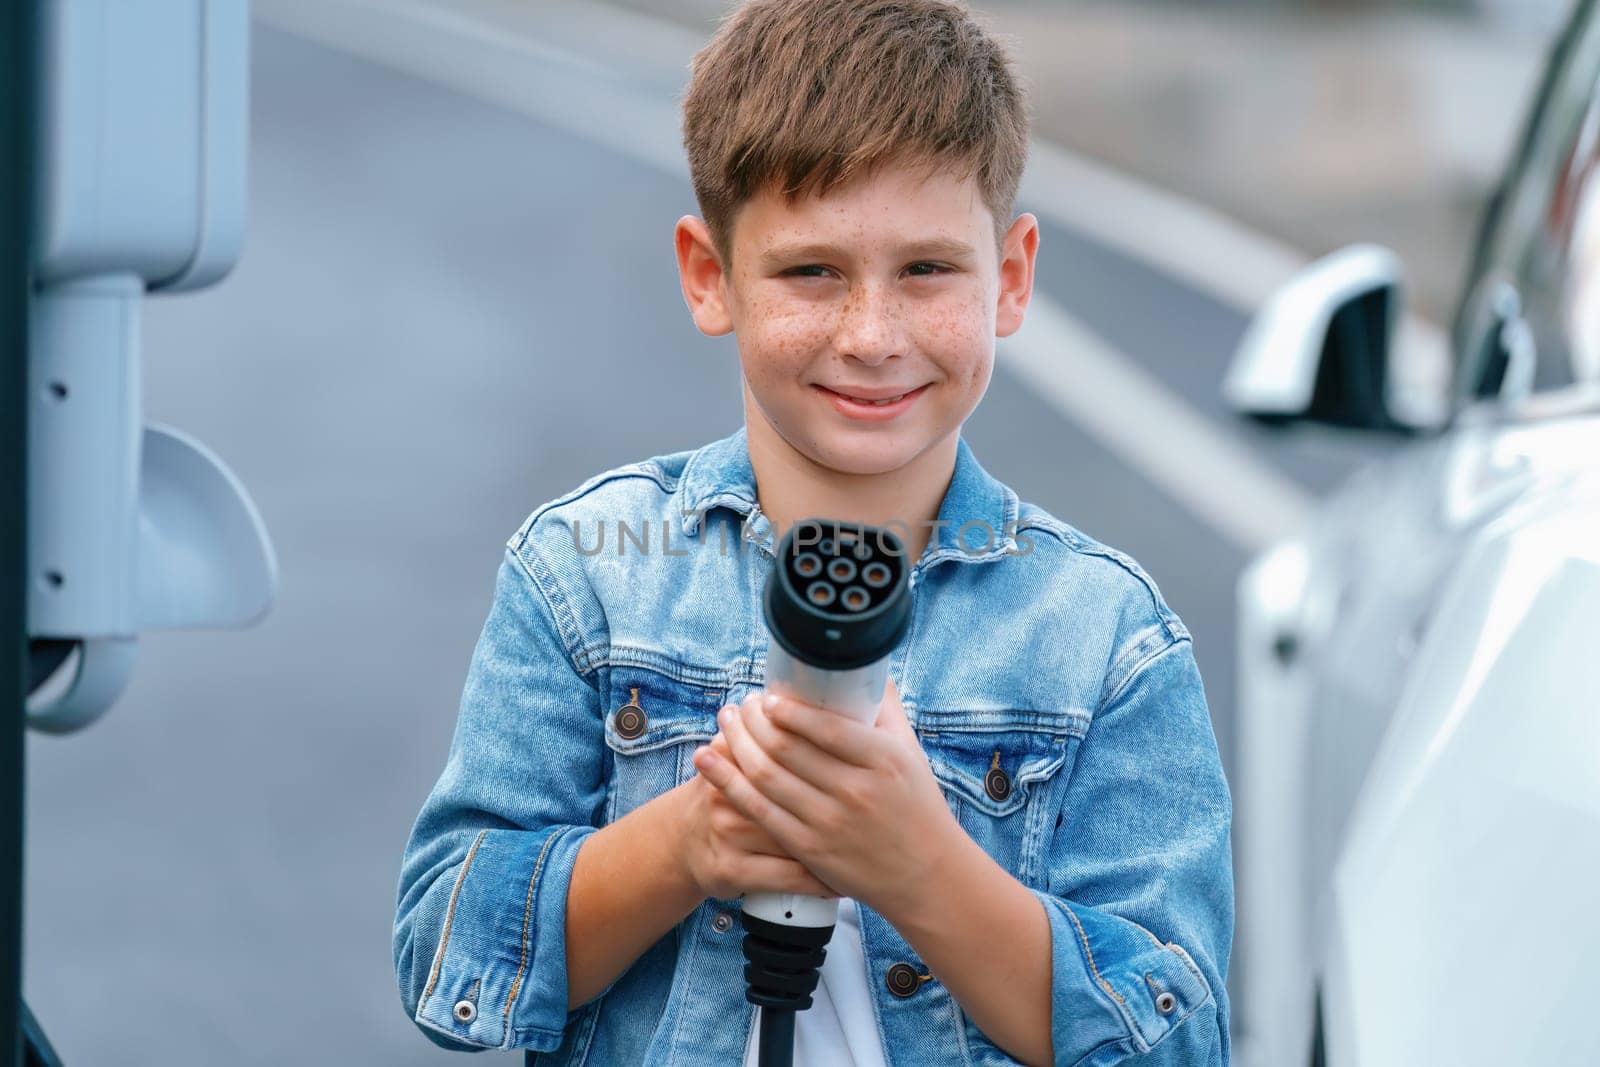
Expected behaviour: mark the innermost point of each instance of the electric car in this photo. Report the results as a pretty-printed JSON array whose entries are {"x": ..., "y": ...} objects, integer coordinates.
[{"x": 1417, "y": 780}]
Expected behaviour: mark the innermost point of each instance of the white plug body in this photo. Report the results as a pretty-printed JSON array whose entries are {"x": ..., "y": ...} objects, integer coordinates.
[{"x": 857, "y": 693}]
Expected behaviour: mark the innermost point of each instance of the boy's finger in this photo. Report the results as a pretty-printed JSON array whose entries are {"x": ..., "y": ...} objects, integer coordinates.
[
  {"x": 838, "y": 735},
  {"x": 775, "y": 874},
  {"x": 789, "y": 749},
  {"x": 776, "y": 782},
  {"x": 722, "y": 773},
  {"x": 891, "y": 711}
]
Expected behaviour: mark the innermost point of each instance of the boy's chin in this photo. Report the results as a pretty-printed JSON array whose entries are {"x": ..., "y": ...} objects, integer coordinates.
[{"x": 865, "y": 453}]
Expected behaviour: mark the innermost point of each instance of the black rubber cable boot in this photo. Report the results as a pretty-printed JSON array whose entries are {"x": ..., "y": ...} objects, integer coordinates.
[{"x": 783, "y": 966}]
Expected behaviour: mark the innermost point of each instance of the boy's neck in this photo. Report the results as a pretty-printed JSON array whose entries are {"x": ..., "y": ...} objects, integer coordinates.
[{"x": 790, "y": 486}]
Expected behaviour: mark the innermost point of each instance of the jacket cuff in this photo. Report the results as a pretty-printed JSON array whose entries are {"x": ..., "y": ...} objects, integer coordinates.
[
  {"x": 1110, "y": 980},
  {"x": 500, "y": 976}
]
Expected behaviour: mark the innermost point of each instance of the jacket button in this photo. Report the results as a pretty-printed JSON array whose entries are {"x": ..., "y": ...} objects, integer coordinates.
[
  {"x": 903, "y": 979},
  {"x": 1165, "y": 1002},
  {"x": 996, "y": 783},
  {"x": 722, "y": 923},
  {"x": 629, "y": 719},
  {"x": 465, "y": 1011}
]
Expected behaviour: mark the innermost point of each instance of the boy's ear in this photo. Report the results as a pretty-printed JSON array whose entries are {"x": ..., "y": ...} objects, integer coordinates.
[
  {"x": 700, "y": 272},
  {"x": 1016, "y": 274}
]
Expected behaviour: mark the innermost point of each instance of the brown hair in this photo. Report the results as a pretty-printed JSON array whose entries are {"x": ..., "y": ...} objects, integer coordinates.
[{"x": 806, "y": 94}]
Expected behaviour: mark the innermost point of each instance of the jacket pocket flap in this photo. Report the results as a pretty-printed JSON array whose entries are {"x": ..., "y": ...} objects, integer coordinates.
[
  {"x": 648, "y": 709},
  {"x": 995, "y": 766}
]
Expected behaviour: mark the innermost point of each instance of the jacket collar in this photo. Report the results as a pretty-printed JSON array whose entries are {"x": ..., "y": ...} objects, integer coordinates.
[{"x": 719, "y": 474}]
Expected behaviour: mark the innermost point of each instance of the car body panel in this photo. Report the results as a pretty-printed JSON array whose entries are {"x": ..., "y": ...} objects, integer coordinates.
[{"x": 1461, "y": 903}]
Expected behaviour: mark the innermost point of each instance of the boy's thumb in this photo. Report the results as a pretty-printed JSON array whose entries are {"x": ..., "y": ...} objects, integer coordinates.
[{"x": 891, "y": 713}]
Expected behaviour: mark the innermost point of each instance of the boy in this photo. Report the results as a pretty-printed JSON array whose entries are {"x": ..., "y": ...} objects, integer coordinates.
[{"x": 1031, "y": 844}]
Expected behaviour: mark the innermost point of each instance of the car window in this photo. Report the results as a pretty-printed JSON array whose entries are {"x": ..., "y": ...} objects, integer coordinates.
[{"x": 1534, "y": 285}]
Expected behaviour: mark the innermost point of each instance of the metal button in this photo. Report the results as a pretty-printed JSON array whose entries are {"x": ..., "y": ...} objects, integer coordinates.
[
  {"x": 466, "y": 1011},
  {"x": 1165, "y": 1002},
  {"x": 903, "y": 979},
  {"x": 997, "y": 783},
  {"x": 629, "y": 719},
  {"x": 722, "y": 923}
]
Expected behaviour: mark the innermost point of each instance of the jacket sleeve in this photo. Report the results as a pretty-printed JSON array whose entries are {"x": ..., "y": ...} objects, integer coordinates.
[
  {"x": 1140, "y": 884},
  {"x": 479, "y": 933}
]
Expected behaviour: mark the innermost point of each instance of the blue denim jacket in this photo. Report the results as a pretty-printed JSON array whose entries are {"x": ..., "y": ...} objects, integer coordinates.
[{"x": 1031, "y": 645}]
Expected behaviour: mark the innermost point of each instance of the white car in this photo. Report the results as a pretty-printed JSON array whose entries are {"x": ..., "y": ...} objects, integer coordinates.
[{"x": 1417, "y": 781}]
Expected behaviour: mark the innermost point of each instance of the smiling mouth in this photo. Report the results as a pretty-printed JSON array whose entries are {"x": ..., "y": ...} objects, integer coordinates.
[{"x": 885, "y": 402}]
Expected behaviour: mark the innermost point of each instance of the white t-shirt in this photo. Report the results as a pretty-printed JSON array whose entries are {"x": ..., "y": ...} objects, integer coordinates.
[{"x": 839, "y": 1029}]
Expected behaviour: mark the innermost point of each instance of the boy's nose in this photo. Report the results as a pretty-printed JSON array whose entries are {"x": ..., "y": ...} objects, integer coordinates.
[{"x": 869, "y": 326}]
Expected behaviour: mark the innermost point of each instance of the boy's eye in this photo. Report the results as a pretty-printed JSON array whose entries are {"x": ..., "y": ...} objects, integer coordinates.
[{"x": 916, "y": 270}]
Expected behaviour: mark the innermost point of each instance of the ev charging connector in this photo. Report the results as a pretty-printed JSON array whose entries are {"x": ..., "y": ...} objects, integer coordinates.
[{"x": 836, "y": 604}]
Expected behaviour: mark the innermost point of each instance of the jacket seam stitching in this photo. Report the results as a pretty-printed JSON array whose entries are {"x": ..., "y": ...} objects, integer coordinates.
[
  {"x": 584, "y": 1043},
  {"x": 1090, "y": 953},
  {"x": 476, "y": 1045},
  {"x": 1154, "y": 940},
  {"x": 961, "y": 1029},
  {"x": 554, "y": 603},
  {"x": 517, "y": 1035},
  {"x": 449, "y": 918},
  {"x": 1138, "y": 574},
  {"x": 1054, "y": 529},
  {"x": 646, "y": 468},
  {"x": 527, "y": 912},
  {"x": 1080, "y": 543},
  {"x": 1183, "y": 954},
  {"x": 689, "y": 965},
  {"x": 691, "y": 674},
  {"x": 1133, "y": 674},
  {"x": 1115, "y": 1042},
  {"x": 1133, "y": 651}
]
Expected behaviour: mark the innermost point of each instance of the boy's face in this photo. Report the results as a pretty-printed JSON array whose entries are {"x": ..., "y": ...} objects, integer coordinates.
[{"x": 889, "y": 283}]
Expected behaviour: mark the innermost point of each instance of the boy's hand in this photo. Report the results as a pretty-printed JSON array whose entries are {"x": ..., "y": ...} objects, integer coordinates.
[
  {"x": 727, "y": 855},
  {"x": 856, "y": 804}
]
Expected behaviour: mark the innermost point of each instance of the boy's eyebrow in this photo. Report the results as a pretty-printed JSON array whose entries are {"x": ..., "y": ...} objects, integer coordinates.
[{"x": 933, "y": 246}]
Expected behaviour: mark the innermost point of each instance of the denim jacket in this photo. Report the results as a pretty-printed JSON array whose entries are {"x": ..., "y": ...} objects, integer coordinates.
[{"x": 1033, "y": 649}]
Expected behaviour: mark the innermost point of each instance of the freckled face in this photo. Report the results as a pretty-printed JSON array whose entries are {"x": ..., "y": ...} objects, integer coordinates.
[{"x": 888, "y": 283}]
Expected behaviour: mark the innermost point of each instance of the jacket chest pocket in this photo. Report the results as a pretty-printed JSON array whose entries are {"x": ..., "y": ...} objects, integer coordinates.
[
  {"x": 1002, "y": 775},
  {"x": 653, "y": 724}
]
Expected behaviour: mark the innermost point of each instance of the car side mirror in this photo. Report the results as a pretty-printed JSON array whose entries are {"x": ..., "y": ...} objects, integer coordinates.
[{"x": 1319, "y": 349}]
